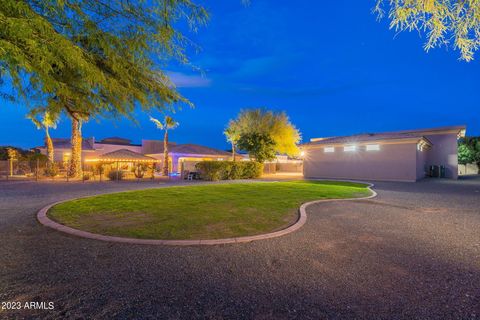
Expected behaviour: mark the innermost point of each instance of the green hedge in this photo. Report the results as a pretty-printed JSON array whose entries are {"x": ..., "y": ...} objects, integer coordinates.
[{"x": 229, "y": 170}]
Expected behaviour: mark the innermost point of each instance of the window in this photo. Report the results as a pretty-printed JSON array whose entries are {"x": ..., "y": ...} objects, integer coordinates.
[
  {"x": 349, "y": 148},
  {"x": 329, "y": 149},
  {"x": 373, "y": 147}
]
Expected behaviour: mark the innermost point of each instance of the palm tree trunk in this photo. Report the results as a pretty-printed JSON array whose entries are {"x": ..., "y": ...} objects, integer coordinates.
[
  {"x": 165, "y": 154},
  {"x": 49, "y": 144},
  {"x": 76, "y": 156}
]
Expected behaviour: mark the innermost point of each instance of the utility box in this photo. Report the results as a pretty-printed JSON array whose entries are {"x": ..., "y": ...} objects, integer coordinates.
[{"x": 434, "y": 171}]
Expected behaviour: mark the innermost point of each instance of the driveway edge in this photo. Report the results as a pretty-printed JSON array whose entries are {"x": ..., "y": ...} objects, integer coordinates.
[{"x": 44, "y": 220}]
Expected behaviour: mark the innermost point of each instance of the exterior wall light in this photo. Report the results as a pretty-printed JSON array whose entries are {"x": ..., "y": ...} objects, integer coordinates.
[{"x": 350, "y": 148}]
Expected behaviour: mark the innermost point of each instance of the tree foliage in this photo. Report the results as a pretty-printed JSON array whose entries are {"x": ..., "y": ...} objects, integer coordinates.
[
  {"x": 474, "y": 144},
  {"x": 465, "y": 154},
  {"x": 445, "y": 22},
  {"x": 260, "y": 146},
  {"x": 469, "y": 151},
  {"x": 276, "y": 125},
  {"x": 232, "y": 133},
  {"x": 92, "y": 57},
  {"x": 167, "y": 124}
]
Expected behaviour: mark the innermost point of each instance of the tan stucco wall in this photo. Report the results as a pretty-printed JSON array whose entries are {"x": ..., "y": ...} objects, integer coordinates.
[
  {"x": 444, "y": 152},
  {"x": 470, "y": 168},
  {"x": 422, "y": 163},
  {"x": 396, "y": 162}
]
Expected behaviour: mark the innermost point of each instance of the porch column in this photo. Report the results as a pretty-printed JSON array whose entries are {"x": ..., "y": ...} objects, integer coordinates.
[{"x": 175, "y": 163}]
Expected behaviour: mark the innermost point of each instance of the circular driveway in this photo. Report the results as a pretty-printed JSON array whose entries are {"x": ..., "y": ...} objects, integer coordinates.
[{"x": 412, "y": 252}]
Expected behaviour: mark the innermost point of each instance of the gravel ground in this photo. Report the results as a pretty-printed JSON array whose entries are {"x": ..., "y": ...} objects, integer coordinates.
[{"x": 411, "y": 253}]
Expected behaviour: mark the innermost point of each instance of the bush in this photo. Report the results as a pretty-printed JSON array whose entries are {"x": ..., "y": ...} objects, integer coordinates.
[
  {"x": 112, "y": 175},
  {"x": 229, "y": 170},
  {"x": 139, "y": 170},
  {"x": 211, "y": 170},
  {"x": 51, "y": 170},
  {"x": 252, "y": 170}
]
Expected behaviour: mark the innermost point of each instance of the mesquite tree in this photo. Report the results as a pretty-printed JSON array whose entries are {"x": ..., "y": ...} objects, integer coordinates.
[
  {"x": 92, "y": 58},
  {"x": 443, "y": 21}
]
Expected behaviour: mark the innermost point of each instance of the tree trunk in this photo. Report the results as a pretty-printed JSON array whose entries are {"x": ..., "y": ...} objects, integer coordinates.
[
  {"x": 165, "y": 154},
  {"x": 76, "y": 156},
  {"x": 233, "y": 152},
  {"x": 49, "y": 144}
]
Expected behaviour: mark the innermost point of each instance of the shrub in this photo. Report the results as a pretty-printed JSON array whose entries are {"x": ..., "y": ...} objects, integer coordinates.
[
  {"x": 229, "y": 170},
  {"x": 99, "y": 169},
  {"x": 51, "y": 170},
  {"x": 252, "y": 170},
  {"x": 237, "y": 171},
  {"x": 115, "y": 175},
  {"x": 139, "y": 170},
  {"x": 210, "y": 170}
]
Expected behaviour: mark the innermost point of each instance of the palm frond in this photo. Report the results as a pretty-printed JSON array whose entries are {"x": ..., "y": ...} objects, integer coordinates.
[{"x": 157, "y": 122}]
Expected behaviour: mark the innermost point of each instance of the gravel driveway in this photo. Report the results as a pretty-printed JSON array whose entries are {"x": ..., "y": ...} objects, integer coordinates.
[{"x": 412, "y": 252}]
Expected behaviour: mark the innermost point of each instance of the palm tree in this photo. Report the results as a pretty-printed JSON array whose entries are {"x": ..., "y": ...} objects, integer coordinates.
[
  {"x": 167, "y": 124},
  {"x": 233, "y": 135},
  {"x": 47, "y": 121}
]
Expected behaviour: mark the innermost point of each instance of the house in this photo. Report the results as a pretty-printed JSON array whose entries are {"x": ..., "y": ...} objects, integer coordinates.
[
  {"x": 116, "y": 149},
  {"x": 408, "y": 155}
]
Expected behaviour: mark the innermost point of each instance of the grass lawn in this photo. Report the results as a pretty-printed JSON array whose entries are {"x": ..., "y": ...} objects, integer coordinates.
[{"x": 200, "y": 212}]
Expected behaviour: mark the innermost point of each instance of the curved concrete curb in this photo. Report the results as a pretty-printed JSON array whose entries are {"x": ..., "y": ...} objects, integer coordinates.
[{"x": 43, "y": 219}]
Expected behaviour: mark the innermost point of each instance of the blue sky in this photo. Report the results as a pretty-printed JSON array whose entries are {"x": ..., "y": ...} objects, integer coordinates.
[{"x": 330, "y": 65}]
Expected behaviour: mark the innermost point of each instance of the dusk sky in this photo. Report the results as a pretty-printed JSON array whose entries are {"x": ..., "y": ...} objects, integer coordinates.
[{"x": 330, "y": 65}]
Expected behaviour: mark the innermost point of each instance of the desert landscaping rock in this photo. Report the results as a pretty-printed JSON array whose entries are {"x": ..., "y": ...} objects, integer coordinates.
[{"x": 413, "y": 252}]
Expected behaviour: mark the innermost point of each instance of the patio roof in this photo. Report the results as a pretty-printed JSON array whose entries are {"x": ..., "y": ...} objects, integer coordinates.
[{"x": 123, "y": 155}]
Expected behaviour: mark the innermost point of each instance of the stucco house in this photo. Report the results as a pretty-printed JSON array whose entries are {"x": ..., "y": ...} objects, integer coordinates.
[
  {"x": 181, "y": 156},
  {"x": 408, "y": 155}
]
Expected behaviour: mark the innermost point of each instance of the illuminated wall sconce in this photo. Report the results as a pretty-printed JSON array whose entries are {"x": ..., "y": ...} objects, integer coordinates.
[
  {"x": 351, "y": 148},
  {"x": 329, "y": 149}
]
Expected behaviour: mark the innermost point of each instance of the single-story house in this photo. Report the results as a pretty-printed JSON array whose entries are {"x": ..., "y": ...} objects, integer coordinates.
[
  {"x": 408, "y": 155},
  {"x": 181, "y": 156}
]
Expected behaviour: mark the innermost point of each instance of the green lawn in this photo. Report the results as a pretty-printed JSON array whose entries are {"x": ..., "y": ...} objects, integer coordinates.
[{"x": 200, "y": 212}]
